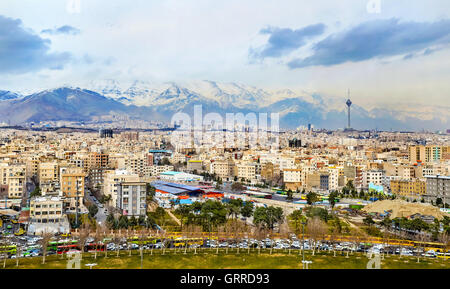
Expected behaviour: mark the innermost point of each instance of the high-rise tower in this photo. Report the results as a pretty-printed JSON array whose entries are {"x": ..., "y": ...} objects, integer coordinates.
[{"x": 348, "y": 103}]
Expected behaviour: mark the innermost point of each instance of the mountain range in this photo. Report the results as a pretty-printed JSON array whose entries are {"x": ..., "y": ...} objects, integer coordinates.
[{"x": 159, "y": 101}]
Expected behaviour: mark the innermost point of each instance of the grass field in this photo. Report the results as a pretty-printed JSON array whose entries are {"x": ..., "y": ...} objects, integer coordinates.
[{"x": 210, "y": 260}]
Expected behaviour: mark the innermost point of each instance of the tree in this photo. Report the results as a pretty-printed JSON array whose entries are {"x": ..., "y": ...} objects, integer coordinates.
[
  {"x": 36, "y": 192},
  {"x": 237, "y": 187},
  {"x": 150, "y": 192},
  {"x": 439, "y": 202},
  {"x": 111, "y": 221},
  {"x": 247, "y": 209},
  {"x": 214, "y": 213},
  {"x": 333, "y": 198},
  {"x": 290, "y": 195},
  {"x": 123, "y": 222},
  {"x": 83, "y": 236},
  {"x": 93, "y": 210},
  {"x": 316, "y": 228},
  {"x": 312, "y": 198},
  {"x": 386, "y": 222},
  {"x": 298, "y": 218},
  {"x": 183, "y": 211},
  {"x": 267, "y": 216},
  {"x": 318, "y": 212},
  {"x": 234, "y": 207},
  {"x": 368, "y": 221},
  {"x": 132, "y": 222},
  {"x": 46, "y": 236}
]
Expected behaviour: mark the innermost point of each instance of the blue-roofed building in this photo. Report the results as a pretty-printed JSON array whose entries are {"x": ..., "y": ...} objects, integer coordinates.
[
  {"x": 180, "y": 177},
  {"x": 176, "y": 189}
]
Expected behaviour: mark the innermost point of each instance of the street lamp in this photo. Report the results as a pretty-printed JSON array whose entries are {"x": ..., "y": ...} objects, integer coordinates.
[
  {"x": 306, "y": 262},
  {"x": 91, "y": 265},
  {"x": 303, "y": 244}
]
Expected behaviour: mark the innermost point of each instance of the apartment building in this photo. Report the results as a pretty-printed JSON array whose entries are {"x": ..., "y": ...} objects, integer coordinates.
[
  {"x": 136, "y": 164},
  {"x": 48, "y": 172},
  {"x": 131, "y": 198},
  {"x": 408, "y": 188},
  {"x": 375, "y": 177},
  {"x": 428, "y": 153},
  {"x": 194, "y": 165},
  {"x": 292, "y": 179},
  {"x": 98, "y": 160},
  {"x": 112, "y": 181},
  {"x": 47, "y": 215},
  {"x": 13, "y": 179},
  {"x": 46, "y": 209},
  {"x": 437, "y": 187},
  {"x": 151, "y": 171},
  {"x": 223, "y": 169},
  {"x": 246, "y": 171}
]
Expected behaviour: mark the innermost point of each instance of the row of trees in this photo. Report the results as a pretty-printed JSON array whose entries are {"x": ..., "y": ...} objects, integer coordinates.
[{"x": 211, "y": 213}]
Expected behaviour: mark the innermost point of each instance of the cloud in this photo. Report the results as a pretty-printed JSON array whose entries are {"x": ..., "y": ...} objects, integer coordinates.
[
  {"x": 284, "y": 40},
  {"x": 376, "y": 39},
  {"x": 66, "y": 29},
  {"x": 23, "y": 51}
]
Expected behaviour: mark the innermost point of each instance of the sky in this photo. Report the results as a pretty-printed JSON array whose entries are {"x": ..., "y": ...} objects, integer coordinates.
[{"x": 388, "y": 52}]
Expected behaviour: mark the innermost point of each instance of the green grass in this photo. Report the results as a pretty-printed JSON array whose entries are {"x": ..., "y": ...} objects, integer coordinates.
[{"x": 207, "y": 259}]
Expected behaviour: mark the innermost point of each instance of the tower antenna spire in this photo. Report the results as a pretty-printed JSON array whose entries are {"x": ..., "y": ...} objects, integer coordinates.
[{"x": 348, "y": 103}]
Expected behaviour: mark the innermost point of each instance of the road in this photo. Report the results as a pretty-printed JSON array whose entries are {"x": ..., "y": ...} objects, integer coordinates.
[{"x": 102, "y": 212}]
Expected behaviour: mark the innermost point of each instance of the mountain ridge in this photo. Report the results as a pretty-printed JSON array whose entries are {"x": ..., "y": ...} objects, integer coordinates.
[{"x": 148, "y": 101}]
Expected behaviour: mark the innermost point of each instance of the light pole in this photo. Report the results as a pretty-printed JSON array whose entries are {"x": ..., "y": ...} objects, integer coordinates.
[{"x": 303, "y": 244}]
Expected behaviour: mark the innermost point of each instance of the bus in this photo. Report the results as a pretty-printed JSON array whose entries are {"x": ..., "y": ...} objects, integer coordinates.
[
  {"x": 181, "y": 242},
  {"x": 442, "y": 255},
  {"x": 147, "y": 240},
  {"x": 68, "y": 248},
  {"x": 92, "y": 247},
  {"x": 437, "y": 247},
  {"x": 279, "y": 191},
  {"x": 258, "y": 195},
  {"x": 8, "y": 249},
  {"x": 53, "y": 245}
]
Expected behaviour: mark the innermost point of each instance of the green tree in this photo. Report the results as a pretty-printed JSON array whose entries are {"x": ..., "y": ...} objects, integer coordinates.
[
  {"x": 183, "y": 211},
  {"x": 132, "y": 222},
  {"x": 290, "y": 195},
  {"x": 312, "y": 198},
  {"x": 213, "y": 213},
  {"x": 368, "y": 221},
  {"x": 93, "y": 210},
  {"x": 297, "y": 217},
  {"x": 150, "y": 192},
  {"x": 247, "y": 209},
  {"x": 318, "y": 212},
  {"x": 123, "y": 222},
  {"x": 333, "y": 198},
  {"x": 36, "y": 192},
  {"x": 267, "y": 216},
  {"x": 386, "y": 222}
]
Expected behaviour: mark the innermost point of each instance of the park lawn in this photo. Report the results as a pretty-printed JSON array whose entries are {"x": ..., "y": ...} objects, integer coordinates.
[{"x": 207, "y": 259}]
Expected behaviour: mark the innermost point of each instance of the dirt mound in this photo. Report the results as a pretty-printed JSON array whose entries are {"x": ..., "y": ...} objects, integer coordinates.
[{"x": 401, "y": 208}]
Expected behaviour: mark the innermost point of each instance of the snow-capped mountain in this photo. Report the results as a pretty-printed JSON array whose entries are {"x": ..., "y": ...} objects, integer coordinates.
[
  {"x": 224, "y": 95},
  {"x": 159, "y": 102},
  {"x": 6, "y": 95}
]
